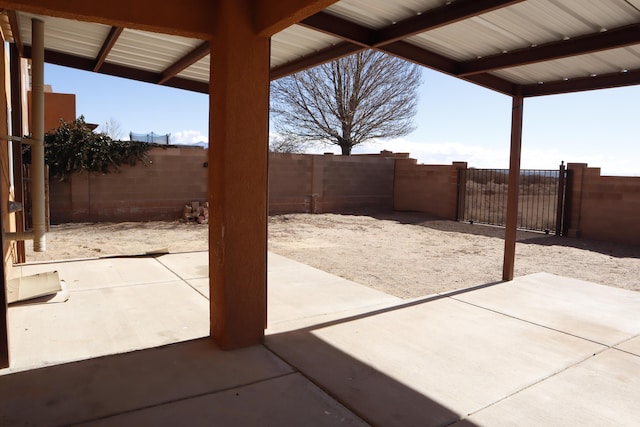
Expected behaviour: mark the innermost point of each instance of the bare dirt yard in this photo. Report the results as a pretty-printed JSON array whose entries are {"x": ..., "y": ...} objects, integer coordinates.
[{"x": 403, "y": 254}]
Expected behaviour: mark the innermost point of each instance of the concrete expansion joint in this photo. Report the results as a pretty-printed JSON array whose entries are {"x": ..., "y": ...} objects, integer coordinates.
[{"x": 540, "y": 380}]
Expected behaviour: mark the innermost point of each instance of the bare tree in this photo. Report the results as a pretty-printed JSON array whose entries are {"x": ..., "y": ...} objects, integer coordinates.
[
  {"x": 281, "y": 144},
  {"x": 364, "y": 96},
  {"x": 112, "y": 129}
]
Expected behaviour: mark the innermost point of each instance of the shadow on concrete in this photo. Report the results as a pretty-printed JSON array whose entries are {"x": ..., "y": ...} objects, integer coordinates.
[
  {"x": 372, "y": 395},
  {"x": 197, "y": 384}
]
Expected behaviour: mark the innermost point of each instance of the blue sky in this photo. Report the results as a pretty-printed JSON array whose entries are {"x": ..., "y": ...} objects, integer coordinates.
[{"x": 456, "y": 121}]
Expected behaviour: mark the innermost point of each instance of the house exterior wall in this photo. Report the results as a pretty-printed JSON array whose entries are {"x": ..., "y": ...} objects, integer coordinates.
[{"x": 57, "y": 106}]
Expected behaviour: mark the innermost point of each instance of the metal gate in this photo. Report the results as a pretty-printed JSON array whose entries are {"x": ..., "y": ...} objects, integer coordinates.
[{"x": 482, "y": 198}]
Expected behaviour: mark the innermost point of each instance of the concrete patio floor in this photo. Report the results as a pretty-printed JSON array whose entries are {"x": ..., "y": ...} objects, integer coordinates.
[{"x": 541, "y": 350}]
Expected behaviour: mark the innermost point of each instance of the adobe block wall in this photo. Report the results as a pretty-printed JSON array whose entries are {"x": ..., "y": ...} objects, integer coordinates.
[
  {"x": 603, "y": 207},
  {"x": 432, "y": 189},
  {"x": 176, "y": 176}
]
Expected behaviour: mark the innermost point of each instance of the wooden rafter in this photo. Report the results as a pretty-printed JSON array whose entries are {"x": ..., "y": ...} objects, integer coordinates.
[
  {"x": 389, "y": 39},
  {"x": 611, "y": 39},
  {"x": 340, "y": 27},
  {"x": 189, "y": 59},
  {"x": 440, "y": 63},
  {"x": 439, "y": 17},
  {"x": 273, "y": 16},
  {"x": 87, "y": 64},
  {"x": 108, "y": 44},
  {"x": 326, "y": 55},
  {"x": 604, "y": 81},
  {"x": 15, "y": 30}
]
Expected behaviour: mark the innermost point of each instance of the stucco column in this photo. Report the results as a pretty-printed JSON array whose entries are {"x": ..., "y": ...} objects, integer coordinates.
[
  {"x": 514, "y": 188},
  {"x": 238, "y": 148}
]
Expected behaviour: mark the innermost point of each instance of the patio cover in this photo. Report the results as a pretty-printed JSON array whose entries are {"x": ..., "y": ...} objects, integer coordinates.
[{"x": 231, "y": 49}]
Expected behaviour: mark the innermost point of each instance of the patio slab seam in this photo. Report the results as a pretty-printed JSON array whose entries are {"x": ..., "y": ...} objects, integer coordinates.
[
  {"x": 325, "y": 389},
  {"x": 197, "y": 395},
  {"x": 182, "y": 279},
  {"x": 539, "y": 381},
  {"x": 540, "y": 325}
]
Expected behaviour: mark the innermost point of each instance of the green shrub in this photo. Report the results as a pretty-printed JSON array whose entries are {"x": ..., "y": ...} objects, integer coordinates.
[{"x": 74, "y": 147}]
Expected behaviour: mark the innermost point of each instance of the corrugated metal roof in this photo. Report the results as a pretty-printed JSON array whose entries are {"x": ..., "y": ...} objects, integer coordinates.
[
  {"x": 471, "y": 34},
  {"x": 296, "y": 42},
  {"x": 199, "y": 71},
  {"x": 591, "y": 65},
  {"x": 381, "y": 13},
  {"x": 149, "y": 51},
  {"x": 77, "y": 38}
]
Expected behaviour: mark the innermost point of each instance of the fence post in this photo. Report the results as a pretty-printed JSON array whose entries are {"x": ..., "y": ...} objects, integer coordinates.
[
  {"x": 561, "y": 198},
  {"x": 462, "y": 186}
]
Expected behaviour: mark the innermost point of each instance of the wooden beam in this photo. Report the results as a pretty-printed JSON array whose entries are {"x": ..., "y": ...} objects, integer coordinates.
[
  {"x": 323, "y": 56},
  {"x": 238, "y": 158},
  {"x": 611, "y": 39},
  {"x": 445, "y": 65},
  {"x": 4, "y": 311},
  {"x": 108, "y": 44},
  {"x": 339, "y": 27},
  {"x": 15, "y": 31},
  {"x": 272, "y": 16},
  {"x": 513, "y": 189},
  {"x": 189, "y": 59},
  {"x": 87, "y": 64},
  {"x": 448, "y": 14},
  {"x": 17, "y": 130},
  {"x": 604, "y": 81},
  {"x": 188, "y": 18}
]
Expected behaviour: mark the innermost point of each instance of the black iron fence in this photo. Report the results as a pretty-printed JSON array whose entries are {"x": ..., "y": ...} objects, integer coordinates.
[{"x": 482, "y": 198}]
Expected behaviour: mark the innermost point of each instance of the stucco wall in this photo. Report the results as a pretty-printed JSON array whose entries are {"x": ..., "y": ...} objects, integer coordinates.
[{"x": 57, "y": 106}]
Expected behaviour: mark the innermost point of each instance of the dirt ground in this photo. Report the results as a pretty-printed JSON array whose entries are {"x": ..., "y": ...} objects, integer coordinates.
[{"x": 403, "y": 254}]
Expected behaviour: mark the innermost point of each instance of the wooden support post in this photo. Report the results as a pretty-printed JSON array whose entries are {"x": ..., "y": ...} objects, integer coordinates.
[
  {"x": 238, "y": 156},
  {"x": 514, "y": 188},
  {"x": 16, "y": 128}
]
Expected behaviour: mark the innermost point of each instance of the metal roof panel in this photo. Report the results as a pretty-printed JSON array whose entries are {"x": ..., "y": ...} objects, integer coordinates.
[
  {"x": 64, "y": 35},
  {"x": 610, "y": 61},
  {"x": 377, "y": 14},
  {"x": 298, "y": 41},
  {"x": 198, "y": 71},
  {"x": 150, "y": 51}
]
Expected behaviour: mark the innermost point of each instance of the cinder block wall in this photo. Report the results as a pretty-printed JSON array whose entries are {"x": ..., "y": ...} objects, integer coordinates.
[
  {"x": 603, "y": 207},
  {"x": 297, "y": 183},
  {"x": 158, "y": 191},
  {"x": 432, "y": 189},
  {"x": 357, "y": 183},
  {"x": 290, "y": 183},
  {"x": 326, "y": 183}
]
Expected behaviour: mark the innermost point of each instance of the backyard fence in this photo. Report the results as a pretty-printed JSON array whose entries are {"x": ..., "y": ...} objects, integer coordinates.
[
  {"x": 482, "y": 198},
  {"x": 152, "y": 138}
]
